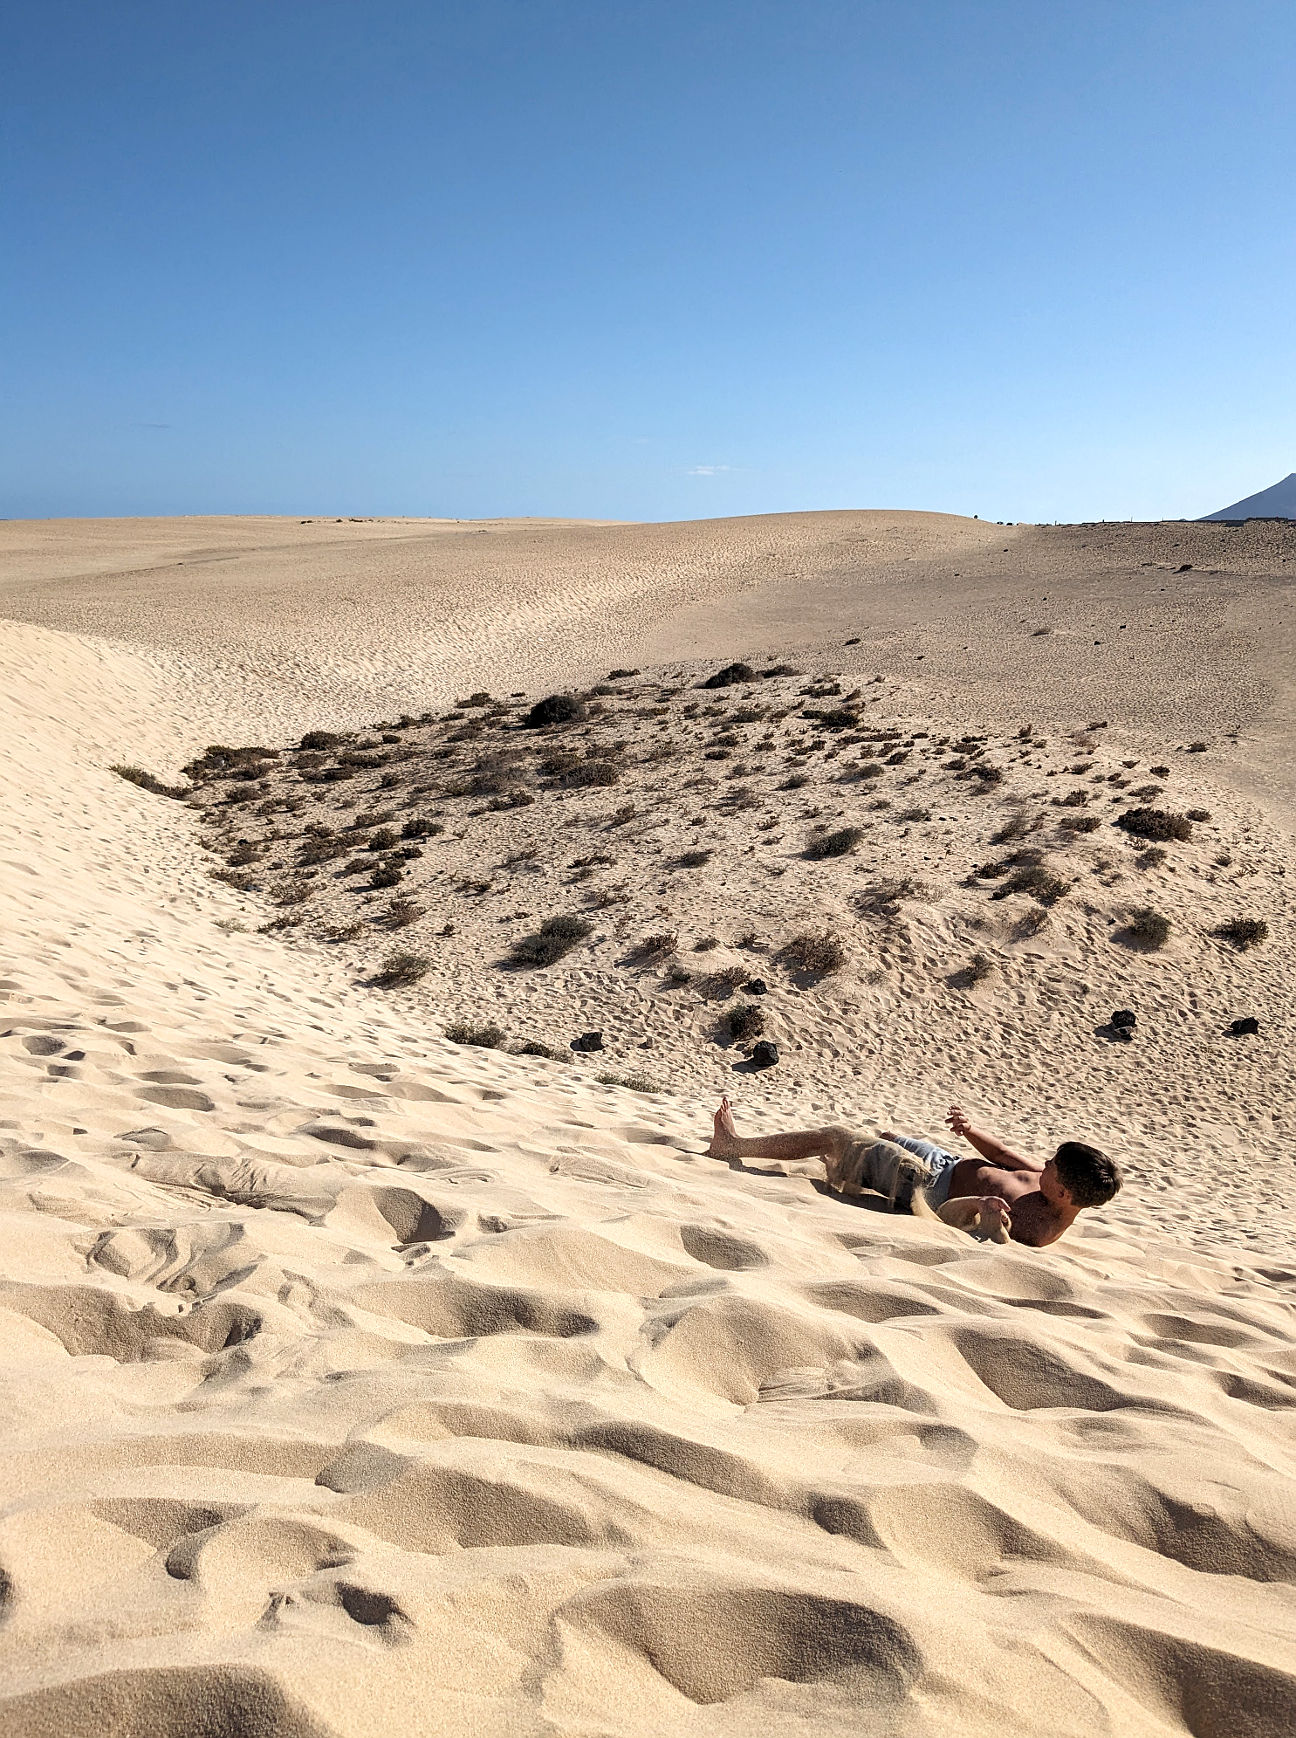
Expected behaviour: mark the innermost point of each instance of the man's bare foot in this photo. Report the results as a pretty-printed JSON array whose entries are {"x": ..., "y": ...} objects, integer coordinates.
[{"x": 724, "y": 1142}]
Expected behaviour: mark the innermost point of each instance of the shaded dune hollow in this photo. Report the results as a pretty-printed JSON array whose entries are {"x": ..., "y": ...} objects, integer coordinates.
[{"x": 358, "y": 1381}]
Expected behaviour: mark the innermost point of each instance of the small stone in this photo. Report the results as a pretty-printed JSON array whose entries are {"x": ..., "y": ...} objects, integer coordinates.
[
  {"x": 588, "y": 1041},
  {"x": 1124, "y": 1018},
  {"x": 1248, "y": 1027},
  {"x": 764, "y": 1054},
  {"x": 757, "y": 987}
]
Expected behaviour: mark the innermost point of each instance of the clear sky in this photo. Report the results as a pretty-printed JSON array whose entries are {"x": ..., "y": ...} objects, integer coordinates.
[{"x": 646, "y": 259}]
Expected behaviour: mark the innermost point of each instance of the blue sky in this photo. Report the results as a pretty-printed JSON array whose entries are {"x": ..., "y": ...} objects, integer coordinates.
[{"x": 646, "y": 259}]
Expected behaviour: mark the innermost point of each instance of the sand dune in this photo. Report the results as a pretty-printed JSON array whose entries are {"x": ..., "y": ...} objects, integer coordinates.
[{"x": 359, "y": 1382}]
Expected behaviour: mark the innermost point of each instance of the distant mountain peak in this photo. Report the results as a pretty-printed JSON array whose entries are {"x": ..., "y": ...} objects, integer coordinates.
[{"x": 1276, "y": 503}]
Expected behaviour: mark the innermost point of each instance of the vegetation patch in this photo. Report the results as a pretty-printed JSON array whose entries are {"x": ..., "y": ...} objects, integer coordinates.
[
  {"x": 555, "y": 937},
  {"x": 820, "y": 953},
  {"x": 1242, "y": 932},
  {"x": 1146, "y": 928},
  {"x": 1155, "y": 824},
  {"x": 400, "y": 969},
  {"x": 487, "y": 1036},
  {"x": 839, "y": 843}
]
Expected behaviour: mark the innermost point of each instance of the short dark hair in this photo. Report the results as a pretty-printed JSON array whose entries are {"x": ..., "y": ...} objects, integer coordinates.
[{"x": 1088, "y": 1176}]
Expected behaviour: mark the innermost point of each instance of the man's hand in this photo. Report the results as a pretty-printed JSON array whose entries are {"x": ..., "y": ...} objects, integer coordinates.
[
  {"x": 995, "y": 1208},
  {"x": 957, "y": 1121}
]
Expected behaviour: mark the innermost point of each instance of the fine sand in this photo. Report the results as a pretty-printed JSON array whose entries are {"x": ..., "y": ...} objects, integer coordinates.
[{"x": 359, "y": 1382}]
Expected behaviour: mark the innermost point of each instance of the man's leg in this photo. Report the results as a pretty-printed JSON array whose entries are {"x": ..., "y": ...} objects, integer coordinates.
[
  {"x": 829, "y": 1144},
  {"x": 852, "y": 1163}
]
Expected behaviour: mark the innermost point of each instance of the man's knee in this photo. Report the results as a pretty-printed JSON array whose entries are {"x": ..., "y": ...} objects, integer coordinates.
[{"x": 837, "y": 1139}]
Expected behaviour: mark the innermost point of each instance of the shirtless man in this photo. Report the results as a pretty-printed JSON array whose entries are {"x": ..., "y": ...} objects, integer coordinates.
[{"x": 1033, "y": 1203}]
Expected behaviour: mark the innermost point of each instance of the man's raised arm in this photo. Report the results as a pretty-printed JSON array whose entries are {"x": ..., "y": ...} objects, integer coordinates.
[{"x": 988, "y": 1146}]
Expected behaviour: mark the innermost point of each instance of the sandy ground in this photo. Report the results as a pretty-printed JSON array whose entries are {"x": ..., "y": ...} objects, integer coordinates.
[{"x": 359, "y": 1382}]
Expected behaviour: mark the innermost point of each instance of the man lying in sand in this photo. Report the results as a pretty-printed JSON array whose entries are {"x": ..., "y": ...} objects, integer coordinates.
[{"x": 1000, "y": 1195}]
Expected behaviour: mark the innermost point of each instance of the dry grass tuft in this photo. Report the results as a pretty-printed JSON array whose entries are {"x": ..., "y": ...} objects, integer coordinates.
[
  {"x": 1242, "y": 932},
  {"x": 555, "y": 937},
  {"x": 822, "y": 953}
]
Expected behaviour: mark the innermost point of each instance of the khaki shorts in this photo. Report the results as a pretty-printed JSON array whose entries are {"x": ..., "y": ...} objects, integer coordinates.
[{"x": 891, "y": 1171}]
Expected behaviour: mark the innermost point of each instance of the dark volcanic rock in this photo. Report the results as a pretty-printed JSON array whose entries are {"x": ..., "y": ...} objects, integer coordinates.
[
  {"x": 757, "y": 987},
  {"x": 764, "y": 1054},
  {"x": 1248, "y": 1027},
  {"x": 588, "y": 1041}
]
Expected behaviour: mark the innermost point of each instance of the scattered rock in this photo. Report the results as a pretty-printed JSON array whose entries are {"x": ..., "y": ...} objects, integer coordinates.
[
  {"x": 1247, "y": 1027},
  {"x": 1124, "y": 1019},
  {"x": 757, "y": 987},
  {"x": 764, "y": 1054},
  {"x": 588, "y": 1041}
]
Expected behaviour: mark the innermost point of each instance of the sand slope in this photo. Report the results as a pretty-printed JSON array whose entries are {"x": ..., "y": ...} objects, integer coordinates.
[{"x": 358, "y": 1383}]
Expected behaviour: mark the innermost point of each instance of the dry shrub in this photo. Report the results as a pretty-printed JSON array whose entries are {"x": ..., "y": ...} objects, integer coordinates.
[
  {"x": 692, "y": 859},
  {"x": 822, "y": 953},
  {"x": 976, "y": 971},
  {"x": 744, "y": 1022},
  {"x": 731, "y": 674},
  {"x": 1243, "y": 932},
  {"x": 550, "y": 1052},
  {"x": 881, "y": 898},
  {"x": 1155, "y": 824},
  {"x": 719, "y": 985},
  {"x": 555, "y": 709},
  {"x": 402, "y": 912},
  {"x": 1032, "y": 921},
  {"x": 1036, "y": 880},
  {"x": 1146, "y": 928},
  {"x": 487, "y": 1036},
  {"x": 1017, "y": 826},
  {"x": 1080, "y": 823},
  {"x": 400, "y": 969},
  {"x": 655, "y": 947},
  {"x": 632, "y": 1082},
  {"x": 344, "y": 931},
  {"x": 836, "y": 844},
  {"x": 136, "y": 775},
  {"x": 555, "y": 937},
  {"x": 291, "y": 892}
]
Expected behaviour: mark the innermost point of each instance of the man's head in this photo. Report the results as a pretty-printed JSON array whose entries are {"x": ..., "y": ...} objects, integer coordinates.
[{"x": 1089, "y": 1177}]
